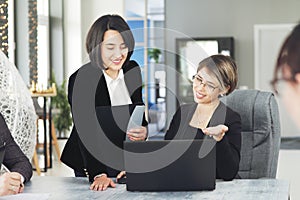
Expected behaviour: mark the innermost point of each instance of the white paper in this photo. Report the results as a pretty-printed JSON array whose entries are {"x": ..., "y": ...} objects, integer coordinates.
[
  {"x": 27, "y": 196},
  {"x": 136, "y": 118}
]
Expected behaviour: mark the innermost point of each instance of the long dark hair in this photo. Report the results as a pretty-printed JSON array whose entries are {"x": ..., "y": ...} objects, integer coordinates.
[{"x": 96, "y": 34}]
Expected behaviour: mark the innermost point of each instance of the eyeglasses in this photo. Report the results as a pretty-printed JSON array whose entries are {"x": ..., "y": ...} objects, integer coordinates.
[
  {"x": 197, "y": 80},
  {"x": 279, "y": 85}
]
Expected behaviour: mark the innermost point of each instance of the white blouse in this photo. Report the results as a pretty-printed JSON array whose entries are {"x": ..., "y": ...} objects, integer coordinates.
[{"x": 117, "y": 89}]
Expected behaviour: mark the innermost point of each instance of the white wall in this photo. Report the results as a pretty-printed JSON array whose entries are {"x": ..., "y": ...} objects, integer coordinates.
[
  {"x": 92, "y": 10},
  {"x": 79, "y": 15},
  {"x": 56, "y": 40},
  {"x": 72, "y": 36},
  {"x": 21, "y": 38}
]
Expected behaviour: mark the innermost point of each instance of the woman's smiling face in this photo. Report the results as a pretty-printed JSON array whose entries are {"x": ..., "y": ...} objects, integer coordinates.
[
  {"x": 205, "y": 87},
  {"x": 113, "y": 51}
]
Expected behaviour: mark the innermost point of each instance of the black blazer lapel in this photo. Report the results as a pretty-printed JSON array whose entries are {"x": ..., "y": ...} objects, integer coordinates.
[
  {"x": 219, "y": 115},
  {"x": 102, "y": 95},
  {"x": 133, "y": 81}
]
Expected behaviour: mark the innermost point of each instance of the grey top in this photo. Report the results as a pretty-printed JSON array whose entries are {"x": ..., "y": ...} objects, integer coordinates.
[{"x": 78, "y": 188}]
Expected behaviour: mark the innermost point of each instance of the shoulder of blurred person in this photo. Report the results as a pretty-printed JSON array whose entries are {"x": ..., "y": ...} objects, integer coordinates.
[{"x": 286, "y": 78}]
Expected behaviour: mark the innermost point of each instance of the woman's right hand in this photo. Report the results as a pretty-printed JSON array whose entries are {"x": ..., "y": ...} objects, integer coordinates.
[
  {"x": 137, "y": 134},
  {"x": 102, "y": 183},
  {"x": 10, "y": 183}
]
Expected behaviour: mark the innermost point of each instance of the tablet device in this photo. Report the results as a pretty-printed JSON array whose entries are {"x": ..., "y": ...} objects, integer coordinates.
[{"x": 136, "y": 118}]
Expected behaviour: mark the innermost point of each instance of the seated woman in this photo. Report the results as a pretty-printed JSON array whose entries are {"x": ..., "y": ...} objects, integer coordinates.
[
  {"x": 208, "y": 116},
  {"x": 19, "y": 167}
]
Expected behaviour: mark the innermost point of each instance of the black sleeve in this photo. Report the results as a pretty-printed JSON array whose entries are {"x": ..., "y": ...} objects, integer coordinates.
[
  {"x": 135, "y": 85},
  {"x": 71, "y": 155},
  {"x": 228, "y": 149},
  {"x": 14, "y": 159},
  {"x": 70, "y": 87},
  {"x": 134, "y": 82},
  {"x": 93, "y": 166}
]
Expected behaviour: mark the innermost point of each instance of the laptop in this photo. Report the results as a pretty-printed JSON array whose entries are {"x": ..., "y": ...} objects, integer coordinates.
[{"x": 167, "y": 165}]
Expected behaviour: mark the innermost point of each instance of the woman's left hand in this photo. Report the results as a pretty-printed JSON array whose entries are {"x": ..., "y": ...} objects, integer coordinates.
[
  {"x": 217, "y": 132},
  {"x": 137, "y": 134}
]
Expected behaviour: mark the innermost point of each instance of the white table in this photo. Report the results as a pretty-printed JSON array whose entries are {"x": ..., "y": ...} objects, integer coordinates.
[{"x": 78, "y": 188}]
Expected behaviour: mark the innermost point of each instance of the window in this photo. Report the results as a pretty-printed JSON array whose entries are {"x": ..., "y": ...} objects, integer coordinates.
[
  {"x": 43, "y": 43},
  {"x": 190, "y": 51},
  {"x": 146, "y": 19},
  {"x": 11, "y": 34}
]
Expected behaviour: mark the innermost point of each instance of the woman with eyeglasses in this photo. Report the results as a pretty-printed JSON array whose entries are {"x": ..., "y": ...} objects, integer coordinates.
[
  {"x": 286, "y": 81},
  {"x": 208, "y": 117}
]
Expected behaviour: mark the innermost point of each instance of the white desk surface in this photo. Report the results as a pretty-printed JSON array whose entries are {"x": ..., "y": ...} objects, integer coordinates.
[{"x": 78, "y": 188}]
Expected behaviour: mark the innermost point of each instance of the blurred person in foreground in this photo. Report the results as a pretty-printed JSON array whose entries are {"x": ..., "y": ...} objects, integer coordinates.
[{"x": 286, "y": 80}]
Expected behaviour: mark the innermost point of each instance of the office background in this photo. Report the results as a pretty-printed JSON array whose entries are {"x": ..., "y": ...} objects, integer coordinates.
[{"x": 71, "y": 19}]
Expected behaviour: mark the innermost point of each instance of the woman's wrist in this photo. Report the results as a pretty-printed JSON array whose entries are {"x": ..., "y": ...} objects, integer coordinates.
[
  {"x": 218, "y": 138},
  {"x": 100, "y": 175}
]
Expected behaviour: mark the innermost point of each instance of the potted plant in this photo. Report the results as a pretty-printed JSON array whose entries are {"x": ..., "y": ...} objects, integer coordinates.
[
  {"x": 62, "y": 120},
  {"x": 154, "y": 54}
]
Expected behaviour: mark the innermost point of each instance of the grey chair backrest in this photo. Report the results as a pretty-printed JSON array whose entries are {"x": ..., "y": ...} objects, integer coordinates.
[{"x": 260, "y": 132}]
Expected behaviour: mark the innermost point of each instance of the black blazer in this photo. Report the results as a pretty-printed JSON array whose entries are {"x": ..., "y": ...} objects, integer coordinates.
[
  {"x": 14, "y": 159},
  {"x": 75, "y": 155},
  {"x": 227, "y": 150}
]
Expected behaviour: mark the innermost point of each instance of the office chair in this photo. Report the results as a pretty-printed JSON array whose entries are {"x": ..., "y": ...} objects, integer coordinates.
[{"x": 260, "y": 132}]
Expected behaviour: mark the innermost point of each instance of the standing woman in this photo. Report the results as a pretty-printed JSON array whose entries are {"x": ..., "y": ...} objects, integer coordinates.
[
  {"x": 286, "y": 81},
  {"x": 110, "y": 44},
  {"x": 208, "y": 116}
]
